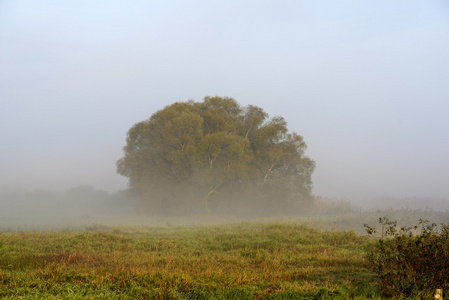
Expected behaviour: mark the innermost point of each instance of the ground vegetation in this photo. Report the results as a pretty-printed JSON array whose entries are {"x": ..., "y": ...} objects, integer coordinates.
[{"x": 245, "y": 260}]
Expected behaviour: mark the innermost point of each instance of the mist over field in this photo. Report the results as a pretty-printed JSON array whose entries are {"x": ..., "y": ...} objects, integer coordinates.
[
  {"x": 85, "y": 207},
  {"x": 364, "y": 84}
]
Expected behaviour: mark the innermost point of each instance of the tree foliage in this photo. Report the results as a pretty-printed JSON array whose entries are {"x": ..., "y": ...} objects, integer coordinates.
[{"x": 216, "y": 155}]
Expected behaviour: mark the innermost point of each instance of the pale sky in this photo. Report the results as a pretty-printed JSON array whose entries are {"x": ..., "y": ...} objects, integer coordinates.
[{"x": 366, "y": 83}]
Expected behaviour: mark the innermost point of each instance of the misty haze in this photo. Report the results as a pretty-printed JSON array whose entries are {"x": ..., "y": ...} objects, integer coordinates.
[
  {"x": 225, "y": 150},
  {"x": 366, "y": 89}
]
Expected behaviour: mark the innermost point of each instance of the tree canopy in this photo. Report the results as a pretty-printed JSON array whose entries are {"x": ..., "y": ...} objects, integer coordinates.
[{"x": 216, "y": 156}]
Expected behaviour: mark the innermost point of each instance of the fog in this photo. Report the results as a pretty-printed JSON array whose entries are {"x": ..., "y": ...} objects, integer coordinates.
[{"x": 365, "y": 85}]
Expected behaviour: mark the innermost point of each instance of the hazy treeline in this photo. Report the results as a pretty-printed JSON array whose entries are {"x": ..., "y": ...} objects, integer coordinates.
[
  {"x": 86, "y": 206},
  {"x": 81, "y": 201}
]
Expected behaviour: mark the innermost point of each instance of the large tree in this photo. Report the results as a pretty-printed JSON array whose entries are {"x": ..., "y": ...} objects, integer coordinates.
[{"x": 216, "y": 156}]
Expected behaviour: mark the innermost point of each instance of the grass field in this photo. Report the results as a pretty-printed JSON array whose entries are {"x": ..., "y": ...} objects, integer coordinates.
[
  {"x": 276, "y": 260},
  {"x": 320, "y": 257}
]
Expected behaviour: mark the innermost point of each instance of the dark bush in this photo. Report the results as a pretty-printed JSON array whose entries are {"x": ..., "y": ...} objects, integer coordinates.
[{"x": 410, "y": 261}]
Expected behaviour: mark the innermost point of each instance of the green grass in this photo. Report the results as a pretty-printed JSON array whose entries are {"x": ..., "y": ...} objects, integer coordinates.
[
  {"x": 319, "y": 256},
  {"x": 248, "y": 260}
]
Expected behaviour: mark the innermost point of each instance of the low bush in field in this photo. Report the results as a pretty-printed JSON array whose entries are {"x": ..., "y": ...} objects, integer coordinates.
[{"x": 409, "y": 264}]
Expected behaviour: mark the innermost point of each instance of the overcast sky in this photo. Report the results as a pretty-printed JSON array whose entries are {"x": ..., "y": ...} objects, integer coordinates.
[{"x": 366, "y": 83}]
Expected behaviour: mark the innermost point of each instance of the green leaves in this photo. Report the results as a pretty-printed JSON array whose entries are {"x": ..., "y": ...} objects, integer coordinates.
[
  {"x": 409, "y": 264},
  {"x": 211, "y": 147}
]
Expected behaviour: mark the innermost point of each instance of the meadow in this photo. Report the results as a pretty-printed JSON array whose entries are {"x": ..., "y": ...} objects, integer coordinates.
[
  {"x": 318, "y": 256},
  {"x": 245, "y": 260}
]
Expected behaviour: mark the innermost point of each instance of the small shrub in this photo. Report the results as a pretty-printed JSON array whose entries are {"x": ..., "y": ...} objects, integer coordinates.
[{"x": 410, "y": 264}]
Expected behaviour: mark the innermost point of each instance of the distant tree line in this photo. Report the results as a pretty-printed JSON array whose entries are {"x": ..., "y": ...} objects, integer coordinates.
[{"x": 83, "y": 200}]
